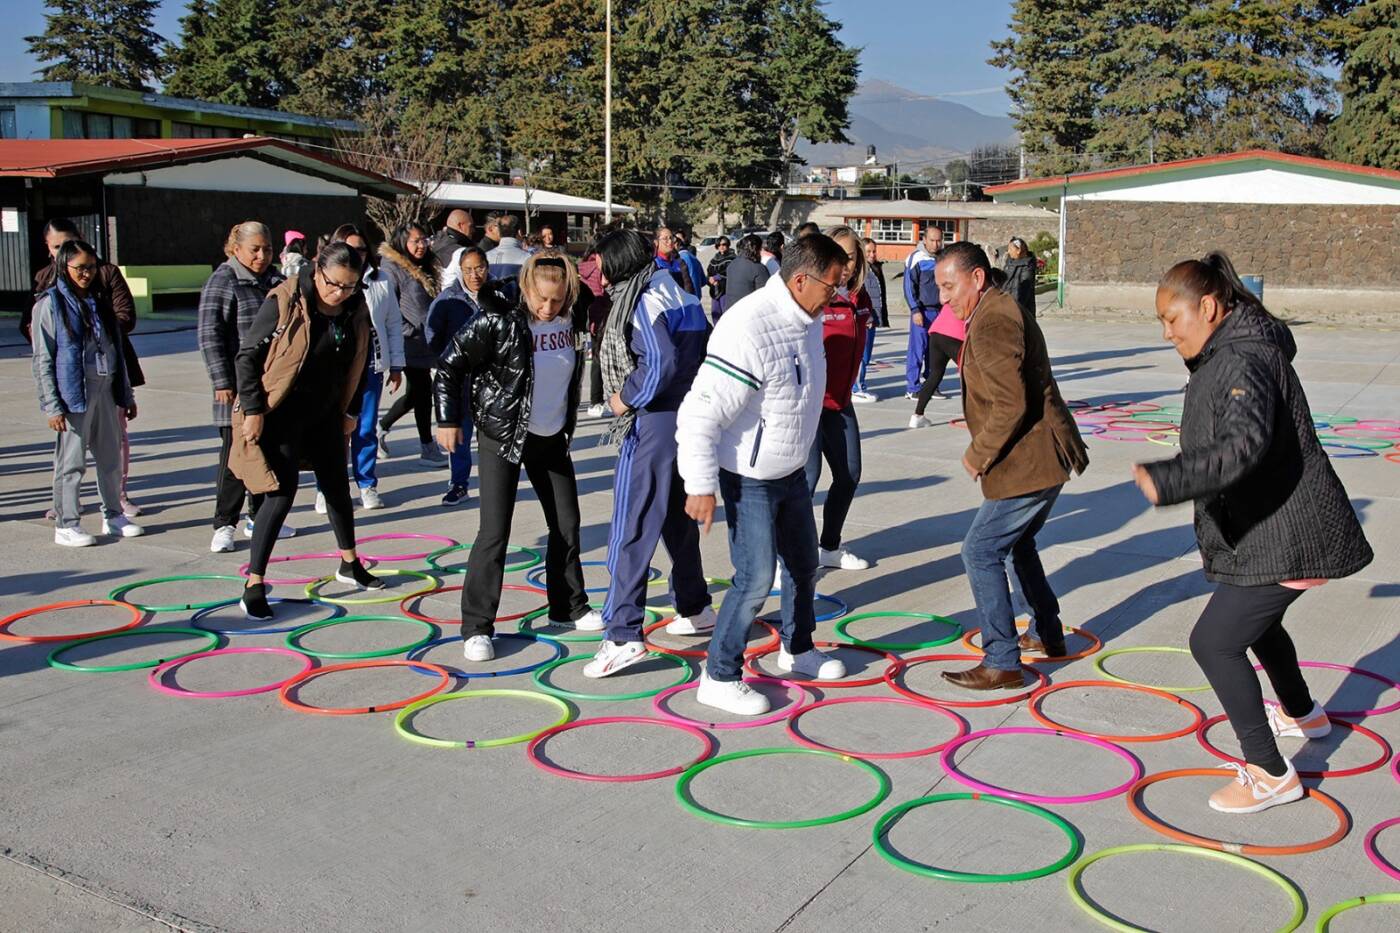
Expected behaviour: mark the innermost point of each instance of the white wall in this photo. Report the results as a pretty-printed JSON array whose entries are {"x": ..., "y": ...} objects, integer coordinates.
[
  {"x": 1260, "y": 186},
  {"x": 234, "y": 174}
]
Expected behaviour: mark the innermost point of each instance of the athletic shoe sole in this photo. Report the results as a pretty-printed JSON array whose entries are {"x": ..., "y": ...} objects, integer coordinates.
[
  {"x": 621, "y": 666},
  {"x": 351, "y": 581},
  {"x": 1295, "y": 794},
  {"x": 248, "y": 614}
]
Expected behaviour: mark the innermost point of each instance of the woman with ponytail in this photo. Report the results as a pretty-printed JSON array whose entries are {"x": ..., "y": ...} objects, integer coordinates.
[{"x": 1272, "y": 519}]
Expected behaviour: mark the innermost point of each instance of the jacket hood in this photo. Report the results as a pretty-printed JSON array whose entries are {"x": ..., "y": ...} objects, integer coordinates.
[
  {"x": 1248, "y": 324},
  {"x": 429, "y": 282}
]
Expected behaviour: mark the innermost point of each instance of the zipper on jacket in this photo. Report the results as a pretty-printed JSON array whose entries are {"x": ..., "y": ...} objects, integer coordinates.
[
  {"x": 757, "y": 440},
  {"x": 798, "y": 365}
]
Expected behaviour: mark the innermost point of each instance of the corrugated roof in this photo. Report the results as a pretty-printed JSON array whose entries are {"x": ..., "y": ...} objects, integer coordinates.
[{"x": 512, "y": 197}]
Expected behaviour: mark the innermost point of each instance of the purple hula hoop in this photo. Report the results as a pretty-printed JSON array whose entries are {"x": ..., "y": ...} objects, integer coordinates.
[
  {"x": 1368, "y": 845},
  {"x": 155, "y": 677},
  {"x": 297, "y": 581},
  {"x": 403, "y": 536},
  {"x": 795, "y": 702},
  {"x": 946, "y": 760},
  {"x": 1361, "y": 672}
]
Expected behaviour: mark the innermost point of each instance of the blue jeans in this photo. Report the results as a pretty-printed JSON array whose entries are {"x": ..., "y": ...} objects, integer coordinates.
[
  {"x": 460, "y": 458},
  {"x": 767, "y": 519},
  {"x": 865, "y": 359},
  {"x": 364, "y": 451},
  {"x": 1002, "y": 534}
]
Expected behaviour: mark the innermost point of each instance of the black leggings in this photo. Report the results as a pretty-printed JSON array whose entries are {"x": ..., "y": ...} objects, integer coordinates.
[
  {"x": 419, "y": 397},
  {"x": 286, "y": 442},
  {"x": 941, "y": 350},
  {"x": 1240, "y": 618}
]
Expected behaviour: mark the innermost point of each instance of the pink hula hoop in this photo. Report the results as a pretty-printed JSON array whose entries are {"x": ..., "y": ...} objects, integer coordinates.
[
  {"x": 946, "y": 760},
  {"x": 298, "y": 581},
  {"x": 1351, "y": 713},
  {"x": 1368, "y": 845},
  {"x": 403, "y": 536},
  {"x": 795, "y": 704},
  {"x": 801, "y": 739},
  {"x": 155, "y": 676},
  {"x": 532, "y": 750}
]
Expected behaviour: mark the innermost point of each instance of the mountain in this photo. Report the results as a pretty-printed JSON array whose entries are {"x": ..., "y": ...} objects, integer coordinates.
[{"x": 910, "y": 128}]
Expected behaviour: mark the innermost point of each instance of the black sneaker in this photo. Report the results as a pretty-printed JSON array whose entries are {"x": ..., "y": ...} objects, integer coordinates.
[
  {"x": 353, "y": 573},
  {"x": 254, "y": 602},
  {"x": 455, "y": 496}
]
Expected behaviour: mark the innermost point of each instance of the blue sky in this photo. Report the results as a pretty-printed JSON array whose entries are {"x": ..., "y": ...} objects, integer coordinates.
[{"x": 936, "y": 47}]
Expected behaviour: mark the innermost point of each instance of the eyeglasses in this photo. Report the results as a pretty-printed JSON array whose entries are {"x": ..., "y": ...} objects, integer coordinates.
[
  {"x": 343, "y": 289},
  {"x": 830, "y": 288},
  {"x": 85, "y": 269}
]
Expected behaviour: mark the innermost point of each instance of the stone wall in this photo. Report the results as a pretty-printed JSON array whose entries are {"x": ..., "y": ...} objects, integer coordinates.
[
  {"x": 994, "y": 233},
  {"x": 1291, "y": 245}
]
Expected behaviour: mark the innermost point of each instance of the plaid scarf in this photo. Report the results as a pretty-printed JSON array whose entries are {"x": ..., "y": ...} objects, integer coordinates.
[{"x": 615, "y": 356}]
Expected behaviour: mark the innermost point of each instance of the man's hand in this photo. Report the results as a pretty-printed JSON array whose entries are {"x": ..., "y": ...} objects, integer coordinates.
[
  {"x": 252, "y": 428},
  {"x": 617, "y": 405},
  {"x": 702, "y": 509},
  {"x": 972, "y": 471},
  {"x": 58, "y": 424},
  {"x": 449, "y": 438},
  {"x": 395, "y": 380},
  {"x": 131, "y": 412},
  {"x": 1144, "y": 483},
  {"x": 223, "y": 396},
  {"x": 917, "y": 318},
  {"x": 349, "y": 426}
]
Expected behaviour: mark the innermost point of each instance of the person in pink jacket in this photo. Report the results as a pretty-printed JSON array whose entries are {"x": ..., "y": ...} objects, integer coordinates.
[{"x": 945, "y": 339}]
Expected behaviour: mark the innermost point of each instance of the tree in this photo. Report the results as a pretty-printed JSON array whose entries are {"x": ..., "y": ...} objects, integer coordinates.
[
  {"x": 409, "y": 157},
  {"x": 1368, "y": 130},
  {"x": 235, "y": 51},
  {"x": 111, "y": 42}
]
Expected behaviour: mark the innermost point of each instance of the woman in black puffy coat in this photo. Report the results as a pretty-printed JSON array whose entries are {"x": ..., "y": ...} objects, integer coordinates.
[{"x": 1272, "y": 518}]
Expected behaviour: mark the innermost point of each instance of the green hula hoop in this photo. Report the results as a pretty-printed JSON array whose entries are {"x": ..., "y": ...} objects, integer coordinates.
[
  {"x": 1369, "y": 443},
  {"x": 841, "y": 633},
  {"x": 538, "y": 678},
  {"x": 125, "y": 588},
  {"x": 886, "y": 822},
  {"x": 1105, "y": 655},
  {"x": 293, "y": 638},
  {"x": 1324, "y": 923},
  {"x": 401, "y": 720},
  {"x": 214, "y": 642},
  {"x": 724, "y": 582},
  {"x": 1299, "y": 910},
  {"x": 532, "y": 558},
  {"x": 683, "y": 790},
  {"x": 313, "y": 590},
  {"x": 574, "y": 637}
]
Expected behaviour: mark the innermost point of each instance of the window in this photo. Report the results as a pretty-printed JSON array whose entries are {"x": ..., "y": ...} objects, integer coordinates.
[
  {"x": 72, "y": 124},
  {"x": 145, "y": 129},
  {"x": 7, "y": 123},
  {"x": 200, "y": 131},
  {"x": 885, "y": 230},
  {"x": 949, "y": 228}
]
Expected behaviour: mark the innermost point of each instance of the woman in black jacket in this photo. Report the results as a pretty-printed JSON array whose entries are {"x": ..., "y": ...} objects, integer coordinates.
[
  {"x": 412, "y": 268},
  {"x": 746, "y": 274},
  {"x": 1272, "y": 518},
  {"x": 1020, "y": 274},
  {"x": 716, "y": 272},
  {"x": 524, "y": 365}
]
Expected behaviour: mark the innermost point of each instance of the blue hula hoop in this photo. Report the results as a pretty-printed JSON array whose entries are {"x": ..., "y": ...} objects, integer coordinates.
[
  {"x": 536, "y": 577},
  {"x": 417, "y": 655},
  {"x": 272, "y": 601}
]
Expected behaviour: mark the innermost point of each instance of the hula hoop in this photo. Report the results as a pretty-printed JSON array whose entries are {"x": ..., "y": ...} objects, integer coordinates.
[
  {"x": 1197, "y": 717},
  {"x": 293, "y": 638},
  {"x": 401, "y": 536},
  {"x": 1368, "y": 845},
  {"x": 1362, "y": 443},
  {"x": 298, "y": 581},
  {"x": 198, "y": 618},
  {"x": 841, "y": 633},
  {"x": 125, "y": 588},
  {"x": 53, "y": 660},
  {"x": 401, "y": 719},
  {"x": 532, "y": 750},
  {"x": 1334, "y": 445},
  {"x": 1324, "y": 923},
  {"x": 1348, "y": 669},
  {"x": 1238, "y": 848},
  {"x": 424, "y": 617},
  {"x": 1104, "y": 656},
  {"x": 5, "y": 623},
  {"x": 900, "y": 665},
  {"x": 795, "y": 703},
  {"x": 541, "y": 671},
  {"x": 1095, "y": 644},
  {"x": 683, "y": 790},
  {"x": 751, "y": 665},
  {"x": 532, "y": 558},
  {"x": 802, "y": 740},
  {"x": 313, "y": 590},
  {"x": 422, "y": 650},
  {"x": 285, "y": 694},
  {"x": 836, "y": 613},
  {"x": 574, "y": 636},
  {"x": 155, "y": 676},
  {"x": 536, "y": 577},
  {"x": 772, "y": 642},
  {"x": 887, "y": 821},
  {"x": 1395, "y": 768},
  {"x": 949, "y": 750},
  {"x": 1204, "y": 727},
  {"x": 723, "y": 582},
  {"x": 1080, "y": 898}
]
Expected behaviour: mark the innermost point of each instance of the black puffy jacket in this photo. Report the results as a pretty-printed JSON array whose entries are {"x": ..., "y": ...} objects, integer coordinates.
[
  {"x": 1020, "y": 282},
  {"x": 496, "y": 351},
  {"x": 1269, "y": 506}
]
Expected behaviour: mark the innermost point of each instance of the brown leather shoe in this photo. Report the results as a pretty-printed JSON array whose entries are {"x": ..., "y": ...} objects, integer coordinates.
[
  {"x": 1029, "y": 644},
  {"x": 982, "y": 677}
]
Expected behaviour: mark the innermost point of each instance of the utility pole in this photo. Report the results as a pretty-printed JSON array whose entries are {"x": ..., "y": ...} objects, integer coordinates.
[{"x": 607, "y": 116}]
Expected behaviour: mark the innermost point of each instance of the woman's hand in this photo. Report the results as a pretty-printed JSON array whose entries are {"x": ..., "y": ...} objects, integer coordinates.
[
  {"x": 1144, "y": 483},
  {"x": 395, "y": 380},
  {"x": 349, "y": 426},
  {"x": 449, "y": 438},
  {"x": 223, "y": 396},
  {"x": 58, "y": 423},
  {"x": 252, "y": 428},
  {"x": 131, "y": 412}
]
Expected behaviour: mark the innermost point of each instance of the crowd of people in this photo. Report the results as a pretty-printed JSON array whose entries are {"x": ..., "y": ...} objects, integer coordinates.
[{"x": 485, "y": 340}]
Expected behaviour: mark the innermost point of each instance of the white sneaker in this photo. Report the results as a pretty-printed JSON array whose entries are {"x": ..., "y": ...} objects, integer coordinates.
[
  {"x": 320, "y": 503},
  {"x": 777, "y": 577},
  {"x": 73, "y": 537},
  {"x": 592, "y": 622},
  {"x": 919, "y": 421},
  {"x": 912, "y": 396},
  {"x": 122, "y": 527},
  {"x": 478, "y": 648},
  {"x": 1312, "y": 726},
  {"x": 841, "y": 559},
  {"x": 814, "y": 664},
  {"x": 287, "y": 531},
  {"x": 613, "y": 657},
  {"x": 222, "y": 542},
  {"x": 864, "y": 397},
  {"x": 734, "y": 697},
  {"x": 702, "y": 623},
  {"x": 370, "y": 499},
  {"x": 597, "y": 411}
]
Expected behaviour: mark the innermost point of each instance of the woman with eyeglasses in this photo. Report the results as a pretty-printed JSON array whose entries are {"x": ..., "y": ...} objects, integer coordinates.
[
  {"x": 412, "y": 268},
  {"x": 450, "y": 311},
  {"x": 301, "y": 372},
  {"x": 77, "y": 364}
]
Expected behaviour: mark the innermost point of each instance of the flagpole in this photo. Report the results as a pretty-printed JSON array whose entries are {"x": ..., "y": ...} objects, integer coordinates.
[{"x": 607, "y": 116}]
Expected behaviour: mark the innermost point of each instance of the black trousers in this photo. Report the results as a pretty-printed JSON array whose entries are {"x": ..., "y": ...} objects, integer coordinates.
[
  {"x": 551, "y": 472},
  {"x": 228, "y": 498},
  {"x": 418, "y": 396},
  {"x": 1250, "y": 618},
  {"x": 286, "y": 442},
  {"x": 941, "y": 350}
]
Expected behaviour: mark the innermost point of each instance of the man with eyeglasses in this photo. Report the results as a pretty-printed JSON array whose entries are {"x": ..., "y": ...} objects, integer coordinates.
[{"x": 745, "y": 431}]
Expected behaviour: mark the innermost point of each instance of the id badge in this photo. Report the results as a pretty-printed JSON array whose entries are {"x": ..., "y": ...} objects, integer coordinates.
[{"x": 102, "y": 368}]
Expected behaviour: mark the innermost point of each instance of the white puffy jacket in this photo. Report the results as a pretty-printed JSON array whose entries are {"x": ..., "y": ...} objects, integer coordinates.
[
  {"x": 754, "y": 405},
  {"x": 386, "y": 343}
]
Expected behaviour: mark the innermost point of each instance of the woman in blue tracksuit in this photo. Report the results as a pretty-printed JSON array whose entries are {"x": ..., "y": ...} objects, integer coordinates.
[{"x": 450, "y": 311}]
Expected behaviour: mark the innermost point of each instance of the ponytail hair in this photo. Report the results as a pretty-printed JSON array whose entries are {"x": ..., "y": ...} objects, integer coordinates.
[
  {"x": 1214, "y": 275},
  {"x": 243, "y": 232},
  {"x": 551, "y": 265}
]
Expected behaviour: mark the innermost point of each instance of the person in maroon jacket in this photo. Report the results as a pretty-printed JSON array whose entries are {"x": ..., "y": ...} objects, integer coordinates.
[{"x": 599, "y": 304}]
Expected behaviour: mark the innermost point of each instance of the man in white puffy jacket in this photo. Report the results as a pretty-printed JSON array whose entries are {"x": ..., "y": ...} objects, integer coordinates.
[{"x": 744, "y": 431}]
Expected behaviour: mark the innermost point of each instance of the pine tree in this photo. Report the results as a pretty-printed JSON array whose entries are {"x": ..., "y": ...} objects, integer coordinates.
[
  {"x": 1368, "y": 130},
  {"x": 110, "y": 42},
  {"x": 230, "y": 53}
]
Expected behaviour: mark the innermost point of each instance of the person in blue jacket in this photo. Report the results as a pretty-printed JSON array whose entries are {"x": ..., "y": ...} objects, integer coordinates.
[
  {"x": 921, "y": 292},
  {"x": 450, "y": 311},
  {"x": 696, "y": 272}
]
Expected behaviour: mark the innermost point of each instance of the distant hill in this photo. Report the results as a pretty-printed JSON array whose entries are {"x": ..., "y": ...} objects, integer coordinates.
[{"x": 909, "y": 127}]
